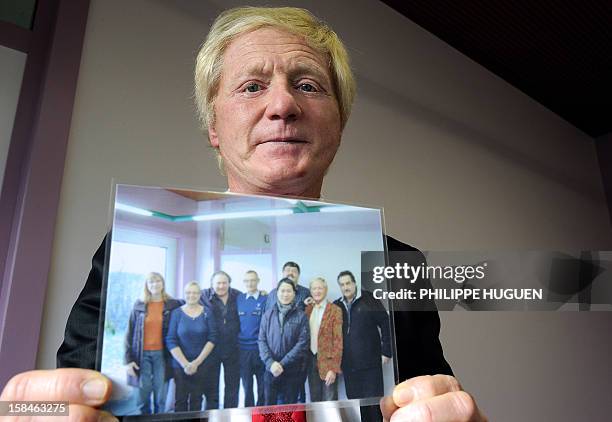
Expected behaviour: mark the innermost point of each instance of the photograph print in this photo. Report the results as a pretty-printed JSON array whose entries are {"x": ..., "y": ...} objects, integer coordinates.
[{"x": 221, "y": 301}]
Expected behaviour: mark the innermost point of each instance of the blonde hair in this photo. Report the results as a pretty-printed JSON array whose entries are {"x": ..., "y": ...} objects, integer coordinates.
[
  {"x": 321, "y": 279},
  {"x": 147, "y": 293},
  {"x": 301, "y": 22},
  {"x": 192, "y": 283}
]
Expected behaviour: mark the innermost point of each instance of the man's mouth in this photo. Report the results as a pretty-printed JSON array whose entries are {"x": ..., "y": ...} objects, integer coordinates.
[{"x": 286, "y": 141}]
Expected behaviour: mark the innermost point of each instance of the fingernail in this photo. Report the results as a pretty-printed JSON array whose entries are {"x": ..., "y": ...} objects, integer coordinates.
[
  {"x": 94, "y": 389},
  {"x": 107, "y": 417},
  {"x": 402, "y": 396}
]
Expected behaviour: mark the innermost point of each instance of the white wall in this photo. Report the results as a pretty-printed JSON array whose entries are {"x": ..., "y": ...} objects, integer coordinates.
[
  {"x": 12, "y": 63},
  {"x": 458, "y": 158}
]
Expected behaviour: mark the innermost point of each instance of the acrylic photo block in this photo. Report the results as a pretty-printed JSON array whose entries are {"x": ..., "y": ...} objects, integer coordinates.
[{"x": 194, "y": 322}]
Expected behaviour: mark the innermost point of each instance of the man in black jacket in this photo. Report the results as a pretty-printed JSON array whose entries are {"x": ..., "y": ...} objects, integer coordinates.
[
  {"x": 221, "y": 299},
  {"x": 366, "y": 336},
  {"x": 274, "y": 91}
]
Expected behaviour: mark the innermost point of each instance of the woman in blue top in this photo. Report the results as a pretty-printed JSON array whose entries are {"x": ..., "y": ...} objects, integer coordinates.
[
  {"x": 284, "y": 339},
  {"x": 192, "y": 335}
]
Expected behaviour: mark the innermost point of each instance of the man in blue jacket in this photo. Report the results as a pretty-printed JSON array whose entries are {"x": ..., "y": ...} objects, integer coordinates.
[
  {"x": 251, "y": 306},
  {"x": 221, "y": 299}
]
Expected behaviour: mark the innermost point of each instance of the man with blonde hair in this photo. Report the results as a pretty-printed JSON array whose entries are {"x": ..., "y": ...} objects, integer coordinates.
[
  {"x": 274, "y": 91},
  {"x": 326, "y": 343}
]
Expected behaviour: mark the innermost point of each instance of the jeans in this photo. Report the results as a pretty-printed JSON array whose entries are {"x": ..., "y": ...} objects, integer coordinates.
[
  {"x": 318, "y": 390},
  {"x": 251, "y": 365},
  {"x": 152, "y": 377}
]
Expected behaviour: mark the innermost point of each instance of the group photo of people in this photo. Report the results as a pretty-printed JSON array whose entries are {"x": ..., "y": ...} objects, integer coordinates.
[{"x": 198, "y": 317}]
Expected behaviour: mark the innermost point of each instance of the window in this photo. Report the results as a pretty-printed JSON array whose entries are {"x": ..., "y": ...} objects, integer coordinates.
[{"x": 134, "y": 254}]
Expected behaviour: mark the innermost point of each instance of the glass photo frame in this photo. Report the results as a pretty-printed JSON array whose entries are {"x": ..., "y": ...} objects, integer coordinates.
[{"x": 182, "y": 327}]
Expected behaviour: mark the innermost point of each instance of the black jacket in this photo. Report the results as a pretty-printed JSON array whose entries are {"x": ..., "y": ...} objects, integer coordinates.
[
  {"x": 228, "y": 322},
  {"x": 418, "y": 347},
  {"x": 134, "y": 339},
  {"x": 363, "y": 342}
]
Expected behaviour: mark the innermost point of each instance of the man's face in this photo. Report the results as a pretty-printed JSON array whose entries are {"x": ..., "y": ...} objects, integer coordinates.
[
  {"x": 220, "y": 284},
  {"x": 277, "y": 120},
  {"x": 347, "y": 286},
  {"x": 318, "y": 290},
  {"x": 292, "y": 273},
  {"x": 250, "y": 282}
]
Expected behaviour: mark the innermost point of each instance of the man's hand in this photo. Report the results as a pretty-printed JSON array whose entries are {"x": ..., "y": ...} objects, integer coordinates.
[
  {"x": 385, "y": 359},
  {"x": 276, "y": 369},
  {"x": 330, "y": 378},
  {"x": 428, "y": 398},
  {"x": 131, "y": 368},
  {"x": 83, "y": 388}
]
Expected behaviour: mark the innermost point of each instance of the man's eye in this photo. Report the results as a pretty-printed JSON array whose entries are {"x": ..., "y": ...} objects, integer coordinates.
[
  {"x": 306, "y": 87},
  {"x": 252, "y": 87}
]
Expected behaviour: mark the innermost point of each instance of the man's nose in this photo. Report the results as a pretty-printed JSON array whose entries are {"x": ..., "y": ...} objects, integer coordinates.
[{"x": 282, "y": 103}]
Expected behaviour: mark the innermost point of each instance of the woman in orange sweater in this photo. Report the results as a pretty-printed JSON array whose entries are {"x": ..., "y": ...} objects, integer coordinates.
[{"x": 146, "y": 356}]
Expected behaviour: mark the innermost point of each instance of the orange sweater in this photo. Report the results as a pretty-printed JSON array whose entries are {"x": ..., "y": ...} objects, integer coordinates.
[{"x": 153, "y": 327}]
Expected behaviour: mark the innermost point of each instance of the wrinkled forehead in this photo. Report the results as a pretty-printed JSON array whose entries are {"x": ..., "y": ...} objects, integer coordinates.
[
  {"x": 261, "y": 49},
  {"x": 220, "y": 279},
  {"x": 346, "y": 279},
  {"x": 318, "y": 283}
]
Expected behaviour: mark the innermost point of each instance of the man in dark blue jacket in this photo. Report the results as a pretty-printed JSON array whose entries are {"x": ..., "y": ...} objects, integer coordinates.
[
  {"x": 221, "y": 299},
  {"x": 366, "y": 338}
]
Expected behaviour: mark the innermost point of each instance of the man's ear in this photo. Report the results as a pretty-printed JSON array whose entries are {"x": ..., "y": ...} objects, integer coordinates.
[{"x": 213, "y": 138}]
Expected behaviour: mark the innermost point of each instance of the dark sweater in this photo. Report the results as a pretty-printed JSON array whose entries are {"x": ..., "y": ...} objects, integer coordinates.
[
  {"x": 226, "y": 317},
  {"x": 190, "y": 334}
]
